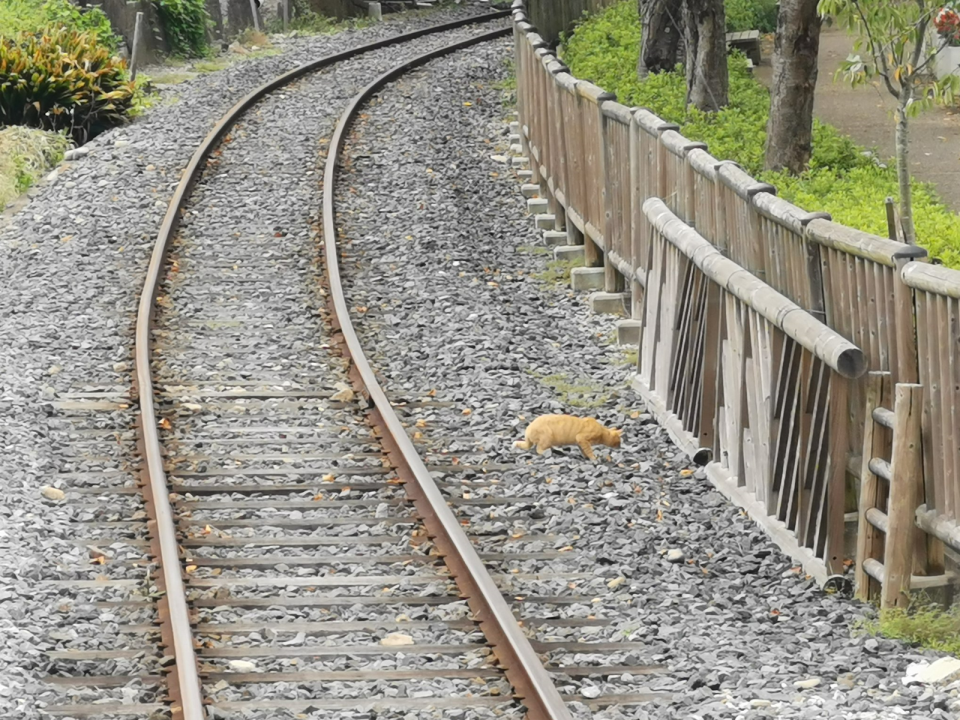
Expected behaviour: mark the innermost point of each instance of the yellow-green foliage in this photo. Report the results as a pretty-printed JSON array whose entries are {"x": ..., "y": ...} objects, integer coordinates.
[
  {"x": 841, "y": 180},
  {"x": 926, "y": 625},
  {"x": 34, "y": 16},
  {"x": 62, "y": 80},
  {"x": 25, "y": 155}
]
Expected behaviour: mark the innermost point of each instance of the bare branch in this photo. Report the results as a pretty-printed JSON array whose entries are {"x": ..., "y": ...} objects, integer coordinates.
[
  {"x": 921, "y": 31},
  {"x": 876, "y": 50},
  {"x": 943, "y": 44}
]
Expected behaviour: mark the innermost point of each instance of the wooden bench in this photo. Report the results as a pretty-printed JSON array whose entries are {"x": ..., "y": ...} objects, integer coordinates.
[{"x": 747, "y": 42}]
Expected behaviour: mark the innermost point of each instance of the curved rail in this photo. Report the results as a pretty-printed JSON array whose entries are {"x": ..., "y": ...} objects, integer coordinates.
[
  {"x": 524, "y": 669},
  {"x": 185, "y": 688}
]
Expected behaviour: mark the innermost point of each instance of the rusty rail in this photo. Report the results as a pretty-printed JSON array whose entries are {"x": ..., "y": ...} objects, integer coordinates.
[
  {"x": 523, "y": 668},
  {"x": 183, "y": 680}
]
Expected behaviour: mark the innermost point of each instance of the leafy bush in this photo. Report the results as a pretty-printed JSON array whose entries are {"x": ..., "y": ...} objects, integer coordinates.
[
  {"x": 185, "y": 23},
  {"x": 62, "y": 80},
  {"x": 25, "y": 155},
  {"x": 34, "y": 16},
  {"x": 841, "y": 180},
  {"x": 751, "y": 15}
]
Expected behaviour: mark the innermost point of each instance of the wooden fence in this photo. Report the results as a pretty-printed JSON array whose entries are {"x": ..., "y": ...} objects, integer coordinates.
[
  {"x": 553, "y": 17},
  {"x": 748, "y": 384}
]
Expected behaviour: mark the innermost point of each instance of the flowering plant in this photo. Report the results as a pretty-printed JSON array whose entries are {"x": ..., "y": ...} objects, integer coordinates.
[{"x": 947, "y": 23}]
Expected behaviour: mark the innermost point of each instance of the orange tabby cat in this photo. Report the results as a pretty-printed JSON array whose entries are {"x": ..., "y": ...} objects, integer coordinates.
[{"x": 549, "y": 431}]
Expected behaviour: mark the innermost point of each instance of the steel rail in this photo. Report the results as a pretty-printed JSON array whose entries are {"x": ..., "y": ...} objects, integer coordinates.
[
  {"x": 524, "y": 669},
  {"x": 184, "y": 685}
]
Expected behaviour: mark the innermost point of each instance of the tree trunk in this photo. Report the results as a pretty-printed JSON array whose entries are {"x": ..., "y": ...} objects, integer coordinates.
[
  {"x": 661, "y": 27},
  {"x": 706, "y": 41},
  {"x": 903, "y": 166},
  {"x": 790, "y": 128}
]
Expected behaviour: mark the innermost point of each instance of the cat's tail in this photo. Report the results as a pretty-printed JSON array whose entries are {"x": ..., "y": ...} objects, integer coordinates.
[{"x": 523, "y": 444}]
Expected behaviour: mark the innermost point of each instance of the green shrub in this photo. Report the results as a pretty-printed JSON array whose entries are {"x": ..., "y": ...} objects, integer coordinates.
[
  {"x": 185, "y": 24},
  {"x": 842, "y": 180},
  {"x": 35, "y": 16},
  {"x": 62, "y": 80},
  {"x": 751, "y": 15}
]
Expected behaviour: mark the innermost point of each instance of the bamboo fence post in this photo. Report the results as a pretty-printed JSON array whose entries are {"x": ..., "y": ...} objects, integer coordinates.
[
  {"x": 867, "y": 535},
  {"x": 836, "y": 480},
  {"x": 906, "y": 473}
]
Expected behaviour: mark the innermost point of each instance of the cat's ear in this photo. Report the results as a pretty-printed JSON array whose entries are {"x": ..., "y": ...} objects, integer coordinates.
[{"x": 618, "y": 431}]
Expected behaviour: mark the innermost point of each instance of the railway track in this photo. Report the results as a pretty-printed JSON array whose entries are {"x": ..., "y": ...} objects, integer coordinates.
[
  {"x": 291, "y": 550},
  {"x": 574, "y": 593}
]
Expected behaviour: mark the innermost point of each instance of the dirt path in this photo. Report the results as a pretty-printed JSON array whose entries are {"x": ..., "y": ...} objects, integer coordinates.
[{"x": 866, "y": 115}]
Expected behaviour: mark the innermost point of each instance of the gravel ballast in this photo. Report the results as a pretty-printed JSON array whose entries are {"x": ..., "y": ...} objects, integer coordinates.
[
  {"x": 71, "y": 267},
  {"x": 454, "y": 304}
]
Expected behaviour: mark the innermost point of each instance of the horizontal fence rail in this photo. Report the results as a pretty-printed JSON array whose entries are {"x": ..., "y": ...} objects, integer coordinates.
[{"x": 785, "y": 423}]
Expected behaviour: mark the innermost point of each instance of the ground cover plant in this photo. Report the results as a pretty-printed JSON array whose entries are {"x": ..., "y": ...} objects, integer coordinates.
[
  {"x": 62, "y": 80},
  {"x": 25, "y": 155},
  {"x": 924, "y": 624},
  {"x": 34, "y": 16},
  {"x": 842, "y": 179}
]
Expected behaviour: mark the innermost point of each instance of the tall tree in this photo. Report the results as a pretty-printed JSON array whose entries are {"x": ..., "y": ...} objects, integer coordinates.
[
  {"x": 661, "y": 30},
  {"x": 704, "y": 25},
  {"x": 894, "y": 34},
  {"x": 795, "y": 53}
]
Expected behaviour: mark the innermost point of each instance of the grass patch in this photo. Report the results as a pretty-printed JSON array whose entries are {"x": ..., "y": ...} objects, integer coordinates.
[
  {"x": 557, "y": 272},
  {"x": 578, "y": 393},
  {"x": 26, "y": 154},
  {"x": 534, "y": 250},
  {"x": 841, "y": 180},
  {"x": 629, "y": 357},
  {"x": 508, "y": 86},
  {"x": 209, "y": 66},
  {"x": 172, "y": 78},
  {"x": 924, "y": 624},
  {"x": 251, "y": 38}
]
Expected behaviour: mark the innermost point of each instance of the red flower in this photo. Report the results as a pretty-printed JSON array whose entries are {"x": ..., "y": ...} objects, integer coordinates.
[{"x": 947, "y": 23}]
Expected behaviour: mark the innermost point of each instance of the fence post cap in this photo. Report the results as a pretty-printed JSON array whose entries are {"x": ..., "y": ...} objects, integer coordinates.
[
  {"x": 720, "y": 165},
  {"x": 761, "y": 187},
  {"x": 693, "y": 145},
  {"x": 811, "y": 216},
  {"x": 910, "y": 252}
]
